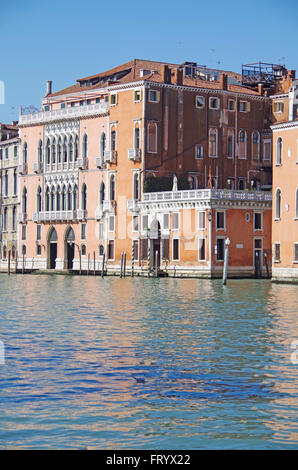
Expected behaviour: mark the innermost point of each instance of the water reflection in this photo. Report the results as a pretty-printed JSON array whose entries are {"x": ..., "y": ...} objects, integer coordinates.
[{"x": 160, "y": 363}]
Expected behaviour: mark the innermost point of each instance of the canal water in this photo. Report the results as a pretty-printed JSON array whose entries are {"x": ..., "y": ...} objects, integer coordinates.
[{"x": 147, "y": 364}]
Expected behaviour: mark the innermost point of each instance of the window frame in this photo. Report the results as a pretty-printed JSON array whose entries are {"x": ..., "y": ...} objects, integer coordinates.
[
  {"x": 205, "y": 251},
  {"x": 224, "y": 220},
  {"x": 217, "y": 102},
  {"x": 175, "y": 239}
]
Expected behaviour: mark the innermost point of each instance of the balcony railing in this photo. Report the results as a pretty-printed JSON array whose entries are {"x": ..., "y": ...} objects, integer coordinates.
[
  {"x": 22, "y": 217},
  {"x": 133, "y": 205},
  {"x": 55, "y": 215},
  {"x": 23, "y": 168},
  {"x": 81, "y": 214},
  {"x": 100, "y": 162},
  {"x": 37, "y": 167},
  {"x": 109, "y": 206},
  {"x": 66, "y": 113},
  {"x": 99, "y": 212},
  {"x": 134, "y": 154},
  {"x": 110, "y": 156},
  {"x": 83, "y": 163},
  {"x": 207, "y": 194}
]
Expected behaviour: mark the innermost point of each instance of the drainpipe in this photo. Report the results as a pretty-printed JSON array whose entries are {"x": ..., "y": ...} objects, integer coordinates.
[{"x": 210, "y": 237}]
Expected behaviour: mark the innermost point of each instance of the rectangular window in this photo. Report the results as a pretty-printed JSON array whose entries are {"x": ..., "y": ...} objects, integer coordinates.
[
  {"x": 15, "y": 151},
  {"x": 231, "y": 105},
  {"x": 201, "y": 220},
  {"x": 145, "y": 222},
  {"x": 267, "y": 150},
  {"x": 153, "y": 96},
  {"x": 136, "y": 249},
  {"x": 276, "y": 252},
  {"x": 111, "y": 248},
  {"x": 202, "y": 249},
  {"x": 101, "y": 231},
  {"x": 97, "y": 100},
  {"x": 296, "y": 252},
  {"x": 83, "y": 232},
  {"x": 6, "y": 152},
  {"x": 166, "y": 248},
  {"x": 258, "y": 221},
  {"x": 220, "y": 249},
  {"x": 47, "y": 108},
  {"x": 176, "y": 249},
  {"x": 200, "y": 102},
  {"x": 111, "y": 223},
  {"x": 72, "y": 104},
  {"x": 166, "y": 221},
  {"x": 88, "y": 101},
  {"x": 175, "y": 221},
  {"x": 244, "y": 106},
  {"x": 213, "y": 103},
  {"x": 38, "y": 232},
  {"x": 82, "y": 102},
  {"x": 135, "y": 223},
  {"x": 62, "y": 105},
  {"x": 113, "y": 99},
  {"x": 38, "y": 249},
  {"x": 199, "y": 151},
  {"x": 24, "y": 232},
  {"x": 137, "y": 96},
  {"x": 220, "y": 220},
  {"x": 278, "y": 107},
  {"x": 144, "y": 248}
]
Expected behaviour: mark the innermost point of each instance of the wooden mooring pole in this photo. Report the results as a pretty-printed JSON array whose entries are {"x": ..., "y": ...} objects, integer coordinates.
[
  {"x": 16, "y": 265},
  {"x": 121, "y": 264},
  {"x": 103, "y": 265},
  {"x": 23, "y": 266},
  {"x": 94, "y": 262},
  {"x": 226, "y": 262},
  {"x": 267, "y": 267},
  {"x": 132, "y": 259},
  {"x": 8, "y": 263},
  {"x": 124, "y": 264},
  {"x": 88, "y": 264}
]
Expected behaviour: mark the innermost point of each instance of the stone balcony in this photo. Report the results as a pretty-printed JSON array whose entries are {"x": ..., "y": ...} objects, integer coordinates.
[
  {"x": 110, "y": 156},
  {"x": 106, "y": 206},
  {"x": 134, "y": 154},
  {"x": 38, "y": 167},
  {"x": 99, "y": 162},
  {"x": 23, "y": 168},
  {"x": 44, "y": 117},
  {"x": 22, "y": 217},
  {"x": 49, "y": 216},
  {"x": 83, "y": 163},
  {"x": 133, "y": 205},
  {"x": 208, "y": 194}
]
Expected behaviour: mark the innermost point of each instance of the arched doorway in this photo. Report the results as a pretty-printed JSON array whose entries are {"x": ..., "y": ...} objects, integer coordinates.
[
  {"x": 52, "y": 243},
  {"x": 69, "y": 248},
  {"x": 155, "y": 243}
]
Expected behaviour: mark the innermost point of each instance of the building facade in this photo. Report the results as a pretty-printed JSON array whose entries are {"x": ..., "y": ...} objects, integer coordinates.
[
  {"x": 99, "y": 152},
  {"x": 285, "y": 186},
  {"x": 9, "y": 159}
]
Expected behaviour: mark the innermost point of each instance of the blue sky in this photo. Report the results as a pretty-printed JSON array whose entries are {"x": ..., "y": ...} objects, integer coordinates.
[{"x": 65, "y": 40}]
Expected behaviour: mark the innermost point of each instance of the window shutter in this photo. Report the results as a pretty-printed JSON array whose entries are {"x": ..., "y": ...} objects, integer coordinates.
[
  {"x": 248, "y": 106},
  {"x": 158, "y": 96}
]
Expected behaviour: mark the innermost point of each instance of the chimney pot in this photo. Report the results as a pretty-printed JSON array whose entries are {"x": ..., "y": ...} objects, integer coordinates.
[
  {"x": 260, "y": 89},
  {"x": 223, "y": 81},
  {"x": 49, "y": 87}
]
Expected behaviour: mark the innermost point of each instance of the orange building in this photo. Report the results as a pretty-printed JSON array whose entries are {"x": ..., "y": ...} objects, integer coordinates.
[
  {"x": 147, "y": 151},
  {"x": 285, "y": 186}
]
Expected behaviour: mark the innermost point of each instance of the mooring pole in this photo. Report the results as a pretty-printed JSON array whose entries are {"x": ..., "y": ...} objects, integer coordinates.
[
  {"x": 80, "y": 258},
  {"x": 226, "y": 262},
  {"x": 16, "y": 266},
  {"x": 88, "y": 264},
  {"x": 124, "y": 264},
  {"x": 103, "y": 265},
  {"x": 156, "y": 267},
  {"x": 132, "y": 259},
  {"x": 148, "y": 258},
  {"x": 121, "y": 264},
  {"x": 266, "y": 264},
  {"x": 94, "y": 262},
  {"x": 8, "y": 264},
  {"x": 23, "y": 267}
]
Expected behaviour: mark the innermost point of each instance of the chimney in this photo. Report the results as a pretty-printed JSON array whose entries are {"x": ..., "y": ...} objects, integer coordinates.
[
  {"x": 260, "y": 89},
  {"x": 49, "y": 87},
  {"x": 223, "y": 81},
  {"x": 291, "y": 74},
  {"x": 178, "y": 76},
  {"x": 166, "y": 74}
]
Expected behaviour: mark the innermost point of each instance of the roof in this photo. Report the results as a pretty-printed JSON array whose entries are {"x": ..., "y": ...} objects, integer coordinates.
[{"x": 130, "y": 72}]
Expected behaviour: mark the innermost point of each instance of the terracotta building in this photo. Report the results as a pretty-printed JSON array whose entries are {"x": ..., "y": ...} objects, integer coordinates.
[
  {"x": 285, "y": 184},
  {"x": 9, "y": 159},
  {"x": 98, "y": 164}
]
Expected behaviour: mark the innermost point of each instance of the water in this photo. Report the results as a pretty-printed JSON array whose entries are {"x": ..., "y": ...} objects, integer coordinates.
[{"x": 147, "y": 364}]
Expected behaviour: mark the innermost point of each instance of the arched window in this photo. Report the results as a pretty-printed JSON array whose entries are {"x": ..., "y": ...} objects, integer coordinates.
[
  {"x": 76, "y": 146},
  {"x": 54, "y": 151},
  {"x": 242, "y": 144},
  {"x": 15, "y": 182},
  {"x": 136, "y": 186},
  {"x": 14, "y": 218},
  {"x": 39, "y": 151},
  {"x": 102, "y": 193},
  {"x": 24, "y": 201},
  {"x": 83, "y": 250},
  {"x": 191, "y": 182},
  {"x": 59, "y": 149},
  {"x": 137, "y": 137},
  {"x": 278, "y": 203},
  {"x": 47, "y": 200},
  {"x": 48, "y": 152},
  {"x": 38, "y": 199},
  {"x": 279, "y": 151},
  {"x": 69, "y": 198},
  {"x": 102, "y": 144},
  {"x": 152, "y": 137},
  {"x": 52, "y": 198},
  {"x": 112, "y": 188},
  {"x": 58, "y": 198},
  {"x": 6, "y": 183},
  {"x": 85, "y": 146},
  {"x": 64, "y": 198},
  {"x": 84, "y": 197},
  {"x": 70, "y": 149},
  {"x": 75, "y": 198},
  {"x": 101, "y": 250},
  {"x": 5, "y": 219},
  {"x": 113, "y": 138},
  {"x": 65, "y": 150},
  {"x": 13, "y": 252},
  {"x": 212, "y": 142},
  {"x": 25, "y": 152},
  {"x": 255, "y": 143},
  {"x": 230, "y": 149}
]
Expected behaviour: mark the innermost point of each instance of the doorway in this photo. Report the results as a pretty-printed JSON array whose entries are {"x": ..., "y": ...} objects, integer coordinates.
[
  {"x": 69, "y": 248},
  {"x": 52, "y": 248}
]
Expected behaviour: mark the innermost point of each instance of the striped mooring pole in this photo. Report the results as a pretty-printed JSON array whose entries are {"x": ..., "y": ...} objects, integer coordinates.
[
  {"x": 148, "y": 258},
  {"x": 132, "y": 259}
]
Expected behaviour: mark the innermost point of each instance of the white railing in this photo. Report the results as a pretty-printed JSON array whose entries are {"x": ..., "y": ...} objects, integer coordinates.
[
  {"x": 110, "y": 156},
  {"x": 99, "y": 161},
  {"x": 217, "y": 194},
  {"x": 66, "y": 113},
  {"x": 23, "y": 168},
  {"x": 133, "y": 205},
  {"x": 98, "y": 212},
  {"x": 37, "y": 167},
  {"x": 83, "y": 163},
  {"x": 54, "y": 215},
  {"x": 81, "y": 214},
  {"x": 109, "y": 206},
  {"x": 22, "y": 217},
  {"x": 134, "y": 154}
]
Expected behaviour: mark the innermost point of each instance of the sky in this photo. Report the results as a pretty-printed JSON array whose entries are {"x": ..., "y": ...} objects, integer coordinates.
[{"x": 66, "y": 40}]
